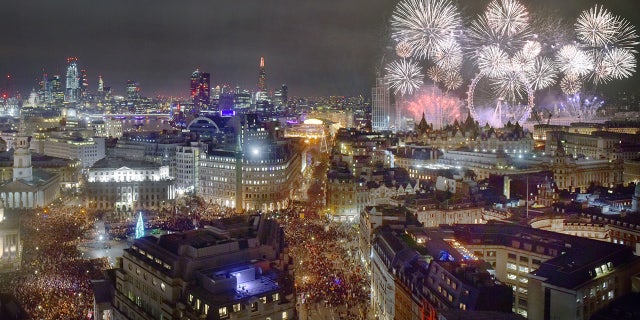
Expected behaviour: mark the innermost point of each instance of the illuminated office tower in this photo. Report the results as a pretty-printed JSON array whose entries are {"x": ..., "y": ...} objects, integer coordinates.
[
  {"x": 200, "y": 89},
  {"x": 72, "y": 92},
  {"x": 262, "y": 77},
  {"x": 380, "y": 105},
  {"x": 133, "y": 90},
  {"x": 55, "y": 85},
  {"x": 84, "y": 84},
  {"x": 44, "y": 91}
]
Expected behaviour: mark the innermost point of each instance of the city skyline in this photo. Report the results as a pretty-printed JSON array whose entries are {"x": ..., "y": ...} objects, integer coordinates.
[{"x": 316, "y": 48}]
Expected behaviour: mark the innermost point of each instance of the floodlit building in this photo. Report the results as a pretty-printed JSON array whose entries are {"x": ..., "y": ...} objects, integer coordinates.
[
  {"x": 128, "y": 185},
  {"x": 29, "y": 188},
  {"x": 10, "y": 243},
  {"x": 380, "y": 106},
  {"x": 264, "y": 175}
]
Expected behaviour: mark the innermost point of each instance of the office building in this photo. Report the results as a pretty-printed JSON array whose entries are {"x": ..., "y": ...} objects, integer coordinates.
[
  {"x": 72, "y": 89},
  {"x": 262, "y": 175},
  {"x": 380, "y": 106},
  {"x": 236, "y": 269},
  {"x": 262, "y": 77},
  {"x": 200, "y": 89},
  {"x": 87, "y": 150}
]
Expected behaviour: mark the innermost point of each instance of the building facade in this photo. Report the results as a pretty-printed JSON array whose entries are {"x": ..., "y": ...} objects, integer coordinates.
[
  {"x": 261, "y": 176},
  {"x": 380, "y": 106},
  {"x": 88, "y": 151},
  {"x": 127, "y": 185}
]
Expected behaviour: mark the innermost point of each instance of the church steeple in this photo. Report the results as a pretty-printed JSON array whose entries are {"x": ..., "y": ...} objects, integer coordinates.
[{"x": 22, "y": 169}]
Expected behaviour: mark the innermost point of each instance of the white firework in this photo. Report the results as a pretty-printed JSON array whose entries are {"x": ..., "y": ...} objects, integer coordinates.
[
  {"x": 492, "y": 61},
  {"x": 620, "y": 63},
  {"x": 571, "y": 84},
  {"x": 531, "y": 49},
  {"x": 507, "y": 17},
  {"x": 424, "y": 25},
  {"x": 542, "y": 75},
  {"x": 626, "y": 37},
  {"x": 597, "y": 27},
  {"x": 449, "y": 55},
  {"x": 403, "y": 50},
  {"x": 573, "y": 61},
  {"x": 404, "y": 76},
  {"x": 510, "y": 86}
]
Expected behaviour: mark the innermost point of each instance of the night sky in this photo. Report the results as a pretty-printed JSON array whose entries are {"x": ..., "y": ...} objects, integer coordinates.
[{"x": 316, "y": 47}]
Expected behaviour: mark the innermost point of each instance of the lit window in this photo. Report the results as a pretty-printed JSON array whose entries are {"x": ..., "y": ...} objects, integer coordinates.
[
  {"x": 511, "y": 276},
  {"x": 236, "y": 307},
  {"x": 223, "y": 312}
]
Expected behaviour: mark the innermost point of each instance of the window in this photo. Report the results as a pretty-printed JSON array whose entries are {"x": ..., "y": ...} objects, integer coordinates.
[
  {"x": 463, "y": 306},
  {"x": 236, "y": 307},
  {"x": 523, "y": 269},
  {"x": 511, "y": 256},
  {"x": 263, "y": 299},
  {"x": 206, "y": 309},
  {"x": 254, "y": 306},
  {"x": 223, "y": 312},
  {"x": 524, "y": 280},
  {"x": 511, "y": 276},
  {"x": 524, "y": 259},
  {"x": 511, "y": 266},
  {"x": 275, "y": 296}
]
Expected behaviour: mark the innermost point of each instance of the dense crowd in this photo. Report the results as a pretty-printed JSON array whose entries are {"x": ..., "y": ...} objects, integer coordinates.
[
  {"x": 54, "y": 281},
  {"x": 327, "y": 269}
]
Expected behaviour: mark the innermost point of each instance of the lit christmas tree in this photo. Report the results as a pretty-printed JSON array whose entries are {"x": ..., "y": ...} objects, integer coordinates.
[{"x": 139, "y": 227}]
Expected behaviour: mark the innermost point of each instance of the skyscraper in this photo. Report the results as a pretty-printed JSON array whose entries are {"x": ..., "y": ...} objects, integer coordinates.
[
  {"x": 55, "y": 87},
  {"x": 262, "y": 87},
  {"x": 200, "y": 89},
  {"x": 84, "y": 84},
  {"x": 380, "y": 105},
  {"x": 285, "y": 94},
  {"x": 72, "y": 92},
  {"x": 133, "y": 90}
]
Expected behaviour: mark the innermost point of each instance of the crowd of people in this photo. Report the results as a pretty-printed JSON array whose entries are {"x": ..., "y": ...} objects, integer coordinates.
[
  {"x": 54, "y": 281},
  {"x": 328, "y": 271}
]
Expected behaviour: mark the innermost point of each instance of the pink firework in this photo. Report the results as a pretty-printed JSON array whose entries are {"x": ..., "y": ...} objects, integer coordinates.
[{"x": 439, "y": 108}]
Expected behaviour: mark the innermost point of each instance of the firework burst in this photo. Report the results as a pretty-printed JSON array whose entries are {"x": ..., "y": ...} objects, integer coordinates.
[
  {"x": 596, "y": 27},
  {"x": 507, "y": 17},
  {"x": 620, "y": 63},
  {"x": 571, "y": 84},
  {"x": 542, "y": 75},
  {"x": 573, "y": 61},
  {"x": 405, "y": 76},
  {"x": 492, "y": 61},
  {"x": 449, "y": 56},
  {"x": 425, "y": 25},
  {"x": 403, "y": 50}
]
